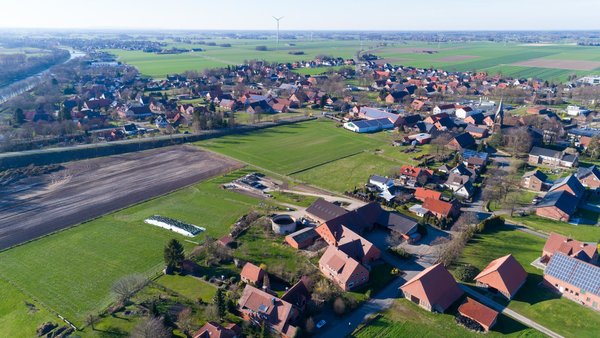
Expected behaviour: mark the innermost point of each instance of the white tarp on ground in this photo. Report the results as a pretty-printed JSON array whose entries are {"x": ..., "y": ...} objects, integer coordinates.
[{"x": 173, "y": 228}]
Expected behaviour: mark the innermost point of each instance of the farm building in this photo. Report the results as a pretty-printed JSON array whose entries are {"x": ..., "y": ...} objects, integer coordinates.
[
  {"x": 503, "y": 275},
  {"x": 302, "y": 238},
  {"x": 433, "y": 289},
  {"x": 479, "y": 313},
  {"x": 323, "y": 211},
  {"x": 369, "y": 126},
  {"x": 574, "y": 279}
]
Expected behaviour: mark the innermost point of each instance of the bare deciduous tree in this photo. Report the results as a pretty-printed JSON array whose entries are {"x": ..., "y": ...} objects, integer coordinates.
[
  {"x": 127, "y": 286},
  {"x": 151, "y": 328}
]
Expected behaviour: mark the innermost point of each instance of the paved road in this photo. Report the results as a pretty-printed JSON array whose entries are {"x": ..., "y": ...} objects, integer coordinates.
[{"x": 500, "y": 308}]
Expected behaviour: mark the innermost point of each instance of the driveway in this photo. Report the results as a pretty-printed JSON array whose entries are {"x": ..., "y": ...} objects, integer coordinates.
[{"x": 344, "y": 326}]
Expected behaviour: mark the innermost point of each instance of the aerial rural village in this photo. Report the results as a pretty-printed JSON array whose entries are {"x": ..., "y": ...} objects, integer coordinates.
[{"x": 327, "y": 196}]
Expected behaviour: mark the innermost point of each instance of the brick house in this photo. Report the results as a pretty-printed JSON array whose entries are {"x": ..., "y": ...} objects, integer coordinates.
[
  {"x": 216, "y": 330},
  {"x": 557, "y": 205},
  {"x": 570, "y": 247},
  {"x": 302, "y": 238},
  {"x": 433, "y": 289},
  {"x": 534, "y": 180},
  {"x": 422, "y": 194},
  {"x": 589, "y": 177},
  {"x": 574, "y": 279},
  {"x": 257, "y": 307},
  {"x": 550, "y": 157},
  {"x": 461, "y": 142},
  {"x": 252, "y": 274},
  {"x": 441, "y": 209},
  {"x": 503, "y": 275},
  {"x": 342, "y": 269}
]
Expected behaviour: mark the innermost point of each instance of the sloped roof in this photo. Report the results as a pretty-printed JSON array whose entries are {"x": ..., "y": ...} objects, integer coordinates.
[
  {"x": 478, "y": 312},
  {"x": 298, "y": 294},
  {"x": 325, "y": 210},
  {"x": 583, "y": 172},
  {"x": 465, "y": 140},
  {"x": 536, "y": 173},
  {"x": 342, "y": 264},
  {"x": 215, "y": 330},
  {"x": 574, "y": 248},
  {"x": 571, "y": 182},
  {"x": 435, "y": 285},
  {"x": 423, "y": 193},
  {"x": 562, "y": 200},
  {"x": 252, "y": 272},
  {"x": 437, "y": 206},
  {"x": 504, "y": 274},
  {"x": 538, "y": 151},
  {"x": 276, "y": 311},
  {"x": 397, "y": 222},
  {"x": 573, "y": 271}
]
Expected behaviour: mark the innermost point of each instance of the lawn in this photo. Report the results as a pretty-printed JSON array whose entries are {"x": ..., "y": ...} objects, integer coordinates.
[
  {"x": 292, "y": 148},
  {"x": 72, "y": 271},
  {"x": 587, "y": 233},
  {"x": 188, "y": 286},
  {"x": 405, "y": 319},
  {"x": 17, "y": 319},
  {"x": 317, "y": 152},
  {"x": 560, "y": 315},
  {"x": 350, "y": 172}
]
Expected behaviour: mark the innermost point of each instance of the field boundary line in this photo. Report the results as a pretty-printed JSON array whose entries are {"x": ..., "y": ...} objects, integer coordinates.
[{"x": 323, "y": 163}]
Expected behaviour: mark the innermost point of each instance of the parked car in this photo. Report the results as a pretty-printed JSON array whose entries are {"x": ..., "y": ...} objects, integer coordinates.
[{"x": 321, "y": 323}]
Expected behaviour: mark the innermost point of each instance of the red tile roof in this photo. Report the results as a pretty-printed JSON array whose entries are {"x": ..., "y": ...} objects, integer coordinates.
[
  {"x": 504, "y": 274},
  {"x": 411, "y": 171},
  {"x": 437, "y": 206},
  {"x": 478, "y": 312},
  {"x": 435, "y": 285},
  {"x": 571, "y": 247},
  {"x": 422, "y": 194},
  {"x": 252, "y": 273}
]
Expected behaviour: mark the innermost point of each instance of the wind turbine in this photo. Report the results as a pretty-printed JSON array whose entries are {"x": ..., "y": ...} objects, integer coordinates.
[{"x": 277, "y": 19}]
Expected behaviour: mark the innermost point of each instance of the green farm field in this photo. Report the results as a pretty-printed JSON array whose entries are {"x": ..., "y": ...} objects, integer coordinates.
[
  {"x": 491, "y": 57},
  {"x": 533, "y": 301},
  {"x": 72, "y": 271},
  {"x": 17, "y": 319},
  {"x": 315, "y": 152}
]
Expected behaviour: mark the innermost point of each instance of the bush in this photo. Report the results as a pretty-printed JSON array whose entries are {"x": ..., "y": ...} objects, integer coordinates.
[
  {"x": 261, "y": 48},
  {"x": 466, "y": 273},
  {"x": 491, "y": 223},
  {"x": 401, "y": 253},
  {"x": 339, "y": 306}
]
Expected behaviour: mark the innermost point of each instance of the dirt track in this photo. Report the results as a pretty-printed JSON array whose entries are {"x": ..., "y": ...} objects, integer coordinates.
[{"x": 86, "y": 189}]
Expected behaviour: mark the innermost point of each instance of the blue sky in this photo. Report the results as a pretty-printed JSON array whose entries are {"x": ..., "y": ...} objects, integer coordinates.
[{"x": 304, "y": 14}]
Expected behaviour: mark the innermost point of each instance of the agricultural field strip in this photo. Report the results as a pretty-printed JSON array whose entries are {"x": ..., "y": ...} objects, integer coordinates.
[{"x": 91, "y": 188}]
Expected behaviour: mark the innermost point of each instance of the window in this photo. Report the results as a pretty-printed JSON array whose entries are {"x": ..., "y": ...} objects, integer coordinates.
[
  {"x": 582, "y": 292},
  {"x": 595, "y": 305},
  {"x": 587, "y": 299}
]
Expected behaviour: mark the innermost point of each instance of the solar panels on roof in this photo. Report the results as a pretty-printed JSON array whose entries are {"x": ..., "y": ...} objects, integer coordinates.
[{"x": 575, "y": 272}]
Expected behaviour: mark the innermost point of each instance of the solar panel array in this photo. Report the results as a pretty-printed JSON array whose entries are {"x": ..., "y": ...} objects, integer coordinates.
[{"x": 575, "y": 272}]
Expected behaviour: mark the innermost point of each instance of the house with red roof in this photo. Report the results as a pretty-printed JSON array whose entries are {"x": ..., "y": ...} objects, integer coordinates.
[
  {"x": 413, "y": 175},
  {"x": 433, "y": 289},
  {"x": 441, "y": 209},
  {"x": 422, "y": 194},
  {"x": 257, "y": 307},
  {"x": 348, "y": 241},
  {"x": 570, "y": 247},
  {"x": 478, "y": 313},
  {"x": 342, "y": 269},
  {"x": 503, "y": 275},
  {"x": 252, "y": 274},
  {"x": 216, "y": 330}
]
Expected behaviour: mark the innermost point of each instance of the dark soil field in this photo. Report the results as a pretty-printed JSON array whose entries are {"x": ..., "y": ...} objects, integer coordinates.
[{"x": 83, "y": 190}]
